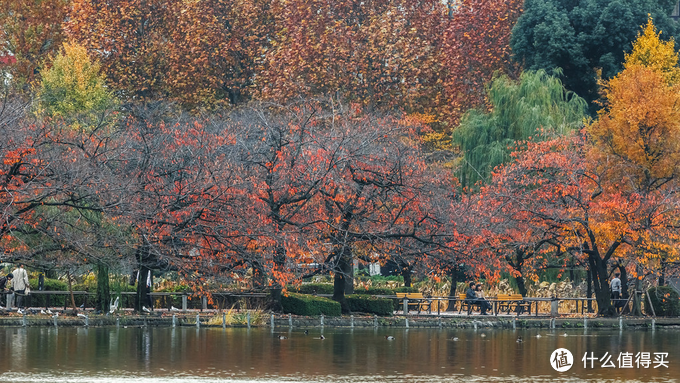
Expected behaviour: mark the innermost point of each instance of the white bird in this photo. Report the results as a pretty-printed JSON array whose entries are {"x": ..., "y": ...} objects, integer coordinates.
[
  {"x": 519, "y": 339},
  {"x": 455, "y": 339},
  {"x": 282, "y": 337},
  {"x": 321, "y": 337},
  {"x": 483, "y": 335},
  {"x": 113, "y": 306},
  {"x": 173, "y": 308},
  {"x": 20, "y": 311},
  {"x": 565, "y": 334},
  {"x": 49, "y": 311},
  {"x": 389, "y": 337},
  {"x": 43, "y": 312},
  {"x": 145, "y": 309},
  {"x": 82, "y": 315},
  {"x": 538, "y": 335}
]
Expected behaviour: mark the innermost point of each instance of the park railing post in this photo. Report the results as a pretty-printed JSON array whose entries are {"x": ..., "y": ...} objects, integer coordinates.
[{"x": 184, "y": 303}]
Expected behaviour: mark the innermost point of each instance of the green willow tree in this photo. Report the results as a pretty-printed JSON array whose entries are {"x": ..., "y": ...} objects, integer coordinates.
[{"x": 534, "y": 108}]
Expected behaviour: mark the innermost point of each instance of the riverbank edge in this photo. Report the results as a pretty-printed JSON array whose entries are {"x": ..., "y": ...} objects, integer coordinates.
[{"x": 286, "y": 321}]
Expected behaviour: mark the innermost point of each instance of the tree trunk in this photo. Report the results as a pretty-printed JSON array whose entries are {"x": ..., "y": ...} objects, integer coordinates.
[
  {"x": 103, "y": 293},
  {"x": 517, "y": 264},
  {"x": 624, "y": 289},
  {"x": 453, "y": 274},
  {"x": 340, "y": 280},
  {"x": 142, "y": 298},
  {"x": 70, "y": 290},
  {"x": 275, "y": 290},
  {"x": 601, "y": 285},
  {"x": 589, "y": 288},
  {"x": 406, "y": 273},
  {"x": 259, "y": 281},
  {"x": 521, "y": 286},
  {"x": 637, "y": 301}
]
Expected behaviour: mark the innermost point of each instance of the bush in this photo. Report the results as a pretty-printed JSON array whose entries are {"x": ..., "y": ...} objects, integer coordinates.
[
  {"x": 308, "y": 305},
  {"x": 374, "y": 291},
  {"x": 665, "y": 301},
  {"x": 40, "y": 300},
  {"x": 406, "y": 290},
  {"x": 370, "y": 305},
  {"x": 313, "y": 288}
]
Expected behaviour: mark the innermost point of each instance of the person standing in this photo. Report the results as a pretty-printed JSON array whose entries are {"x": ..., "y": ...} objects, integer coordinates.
[
  {"x": 615, "y": 286},
  {"x": 20, "y": 283},
  {"x": 3, "y": 284}
]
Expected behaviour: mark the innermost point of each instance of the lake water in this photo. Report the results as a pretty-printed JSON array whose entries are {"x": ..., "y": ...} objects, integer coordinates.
[{"x": 141, "y": 355}]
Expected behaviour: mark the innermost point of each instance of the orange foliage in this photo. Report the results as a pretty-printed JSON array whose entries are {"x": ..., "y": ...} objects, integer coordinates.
[
  {"x": 32, "y": 31},
  {"x": 475, "y": 46}
]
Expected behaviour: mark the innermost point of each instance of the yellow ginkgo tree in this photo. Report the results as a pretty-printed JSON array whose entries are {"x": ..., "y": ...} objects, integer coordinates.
[
  {"x": 635, "y": 146},
  {"x": 73, "y": 87},
  {"x": 650, "y": 51}
]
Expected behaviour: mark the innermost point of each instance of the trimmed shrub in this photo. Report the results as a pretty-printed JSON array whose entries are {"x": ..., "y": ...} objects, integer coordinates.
[
  {"x": 384, "y": 290},
  {"x": 308, "y": 305},
  {"x": 313, "y": 288},
  {"x": 665, "y": 301},
  {"x": 406, "y": 290},
  {"x": 40, "y": 300},
  {"x": 374, "y": 291},
  {"x": 370, "y": 305}
]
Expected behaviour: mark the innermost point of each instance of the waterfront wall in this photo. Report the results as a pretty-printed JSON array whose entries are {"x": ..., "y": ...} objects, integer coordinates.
[{"x": 286, "y": 321}]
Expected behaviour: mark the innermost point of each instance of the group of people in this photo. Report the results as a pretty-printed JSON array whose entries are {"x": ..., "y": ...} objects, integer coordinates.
[
  {"x": 475, "y": 295},
  {"x": 15, "y": 283}
]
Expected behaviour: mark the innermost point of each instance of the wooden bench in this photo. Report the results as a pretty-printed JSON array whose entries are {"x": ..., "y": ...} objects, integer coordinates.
[
  {"x": 466, "y": 303},
  {"x": 415, "y": 300},
  {"x": 508, "y": 302}
]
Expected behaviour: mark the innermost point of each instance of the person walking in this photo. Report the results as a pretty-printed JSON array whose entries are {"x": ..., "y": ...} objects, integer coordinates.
[
  {"x": 615, "y": 286},
  {"x": 20, "y": 283}
]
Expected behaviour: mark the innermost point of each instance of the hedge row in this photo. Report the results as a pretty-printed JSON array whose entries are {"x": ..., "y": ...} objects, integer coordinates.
[
  {"x": 313, "y": 288},
  {"x": 308, "y": 305},
  {"x": 370, "y": 305},
  {"x": 327, "y": 288},
  {"x": 665, "y": 301}
]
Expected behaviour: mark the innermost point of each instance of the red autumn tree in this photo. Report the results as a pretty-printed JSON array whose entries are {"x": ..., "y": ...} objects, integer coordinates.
[
  {"x": 475, "y": 45},
  {"x": 194, "y": 52},
  {"x": 32, "y": 31},
  {"x": 375, "y": 200},
  {"x": 179, "y": 188},
  {"x": 553, "y": 186},
  {"x": 379, "y": 53}
]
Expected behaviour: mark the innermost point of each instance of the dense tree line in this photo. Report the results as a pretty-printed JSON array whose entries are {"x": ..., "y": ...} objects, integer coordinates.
[{"x": 237, "y": 140}]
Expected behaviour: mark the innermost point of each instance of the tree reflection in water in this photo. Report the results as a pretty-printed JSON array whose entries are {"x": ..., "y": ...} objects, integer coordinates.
[{"x": 144, "y": 354}]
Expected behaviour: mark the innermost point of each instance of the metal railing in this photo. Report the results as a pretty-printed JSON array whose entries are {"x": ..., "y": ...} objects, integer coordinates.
[{"x": 164, "y": 300}]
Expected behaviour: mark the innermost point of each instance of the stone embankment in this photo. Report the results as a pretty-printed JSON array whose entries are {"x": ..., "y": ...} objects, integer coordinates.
[{"x": 357, "y": 321}]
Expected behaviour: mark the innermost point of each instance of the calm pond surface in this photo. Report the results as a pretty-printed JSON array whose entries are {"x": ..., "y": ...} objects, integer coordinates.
[{"x": 143, "y": 355}]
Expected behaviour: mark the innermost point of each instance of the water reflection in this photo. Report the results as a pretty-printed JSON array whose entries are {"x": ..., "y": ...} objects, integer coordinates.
[{"x": 146, "y": 354}]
